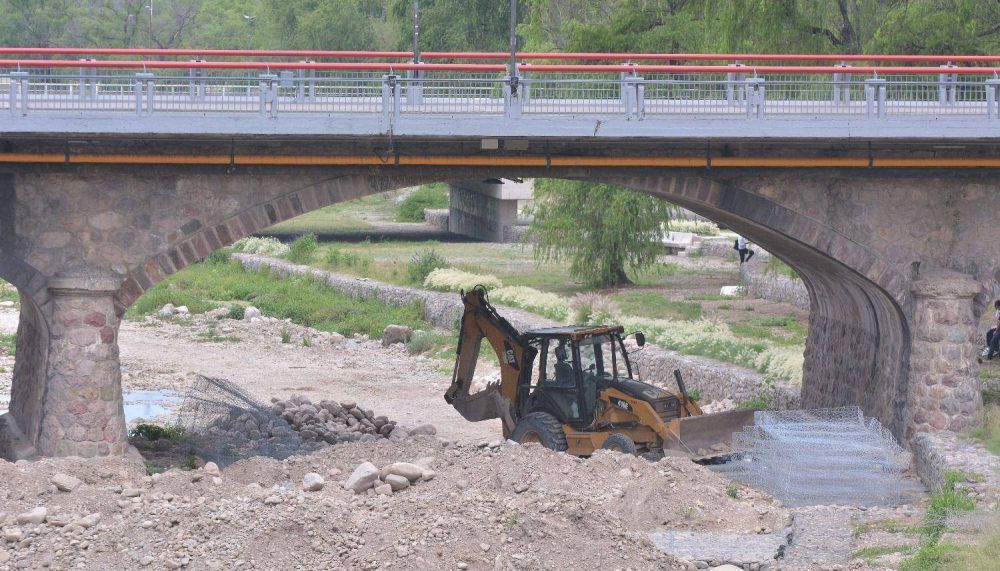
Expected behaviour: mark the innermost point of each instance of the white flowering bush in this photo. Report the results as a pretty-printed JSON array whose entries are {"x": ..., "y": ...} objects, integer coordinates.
[
  {"x": 592, "y": 307},
  {"x": 530, "y": 299},
  {"x": 699, "y": 227},
  {"x": 263, "y": 246},
  {"x": 783, "y": 363},
  {"x": 450, "y": 279}
]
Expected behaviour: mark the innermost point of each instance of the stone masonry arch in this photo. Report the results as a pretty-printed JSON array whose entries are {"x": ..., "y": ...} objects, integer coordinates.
[{"x": 883, "y": 307}]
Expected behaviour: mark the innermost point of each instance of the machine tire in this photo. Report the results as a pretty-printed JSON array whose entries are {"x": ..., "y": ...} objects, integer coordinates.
[
  {"x": 543, "y": 428},
  {"x": 620, "y": 443}
]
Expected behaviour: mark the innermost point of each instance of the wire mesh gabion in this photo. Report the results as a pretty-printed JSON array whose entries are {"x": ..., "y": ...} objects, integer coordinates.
[
  {"x": 224, "y": 424},
  {"x": 820, "y": 456}
]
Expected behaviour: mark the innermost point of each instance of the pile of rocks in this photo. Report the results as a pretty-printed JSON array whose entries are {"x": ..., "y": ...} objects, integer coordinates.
[
  {"x": 392, "y": 478},
  {"x": 333, "y": 422}
]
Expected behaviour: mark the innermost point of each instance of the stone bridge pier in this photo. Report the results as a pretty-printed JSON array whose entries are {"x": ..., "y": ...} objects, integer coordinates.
[{"x": 900, "y": 265}]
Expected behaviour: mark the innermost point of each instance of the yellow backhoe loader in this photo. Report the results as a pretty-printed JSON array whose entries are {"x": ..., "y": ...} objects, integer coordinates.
[{"x": 582, "y": 394}]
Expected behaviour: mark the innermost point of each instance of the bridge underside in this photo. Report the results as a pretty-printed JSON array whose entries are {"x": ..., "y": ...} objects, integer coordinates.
[{"x": 899, "y": 264}]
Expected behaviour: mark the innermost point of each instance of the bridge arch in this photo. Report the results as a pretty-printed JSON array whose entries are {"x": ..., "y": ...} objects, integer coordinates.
[{"x": 858, "y": 346}]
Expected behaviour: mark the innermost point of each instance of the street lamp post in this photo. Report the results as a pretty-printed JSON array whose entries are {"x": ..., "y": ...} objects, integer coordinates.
[
  {"x": 150, "y": 38},
  {"x": 250, "y": 20},
  {"x": 416, "y": 31},
  {"x": 513, "y": 47}
]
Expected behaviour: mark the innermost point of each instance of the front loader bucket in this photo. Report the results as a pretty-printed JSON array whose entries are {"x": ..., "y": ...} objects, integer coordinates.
[
  {"x": 484, "y": 405},
  {"x": 697, "y": 434}
]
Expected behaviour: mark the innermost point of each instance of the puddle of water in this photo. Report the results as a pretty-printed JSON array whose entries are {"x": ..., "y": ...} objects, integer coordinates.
[{"x": 138, "y": 404}]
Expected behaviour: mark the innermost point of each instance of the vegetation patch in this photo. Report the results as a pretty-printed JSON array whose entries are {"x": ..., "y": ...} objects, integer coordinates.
[
  {"x": 422, "y": 264},
  {"x": 8, "y": 343},
  {"x": 302, "y": 250},
  {"x": 989, "y": 431},
  {"x": 699, "y": 227},
  {"x": 450, "y": 279},
  {"x": 536, "y": 301},
  {"x": 305, "y": 301},
  {"x": 411, "y": 208},
  {"x": 263, "y": 246},
  {"x": 656, "y": 305}
]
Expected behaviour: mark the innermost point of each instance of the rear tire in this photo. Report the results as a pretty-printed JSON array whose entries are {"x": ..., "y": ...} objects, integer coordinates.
[
  {"x": 542, "y": 428},
  {"x": 620, "y": 443}
]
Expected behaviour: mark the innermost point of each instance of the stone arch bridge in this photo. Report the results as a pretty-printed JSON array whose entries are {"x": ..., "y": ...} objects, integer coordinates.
[{"x": 900, "y": 261}]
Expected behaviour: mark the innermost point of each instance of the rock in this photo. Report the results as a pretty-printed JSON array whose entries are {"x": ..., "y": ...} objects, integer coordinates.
[
  {"x": 34, "y": 517},
  {"x": 13, "y": 535},
  {"x": 393, "y": 334},
  {"x": 88, "y": 521},
  {"x": 462, "y": 565},
  {"x": 484, "y": 546},
  {"x": 146, "y": 560},
  {"x": 250, "y": 312},
  {"x": 312, "y": 482},
  {"x": 383, "y": 490},
  {"x": 272, "y": 500},
  {"x": 167, "y": 310},
  {"x": 335, "y": 338},
  {"x": 4, "y": 556},
  {"x": 726, "y": 567},
  {"x": 399, "y": 433},
  {"x": 363, "y": 477},
  {"x": 65, "y": 482},
  {"x": 427, "y": 429},
  {"x": 333, "y": 472},
  {"x": 429, "y": 475},
  {"x": 212, "y": 469},
  {"x": 183, "y": 310},
  {"x": 348, "y": 404},
  {"x": 521, "y": 487},
  {"x": 397, "y": 482},
  {"x": 411, "y": 472}
]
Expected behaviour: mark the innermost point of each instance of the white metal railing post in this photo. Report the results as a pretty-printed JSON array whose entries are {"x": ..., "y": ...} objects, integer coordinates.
[
  {"x": 197, "y": 81},
  {"x": 512, "y": 103},
  {"x": 304, "y": 76},
  {"x": 144, "y": 91},
  {"x": 269, "y": 94},
  {"x": 525, "y": 85},
  {"x": 842, "y": 86},
  {"x": 875, "y": 98},
  {"x": 755, "y": 97},
  {"x": 992, "y": 98},
  {"x": 640, "y": 98},
  {"x": 633, "y": 95},
  {"x": 946, "y": 86},
  {"x": 19, "y": 92},
  {"x": 390, "y": 97},
  {"x": 415, "y": 86},
  {"x": 734, "y": 92},
  {"x": 88, "y": 82}
]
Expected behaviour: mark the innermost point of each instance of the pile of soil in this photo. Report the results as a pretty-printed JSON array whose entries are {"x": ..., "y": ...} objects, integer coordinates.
[{"x": 500, "y": 506}]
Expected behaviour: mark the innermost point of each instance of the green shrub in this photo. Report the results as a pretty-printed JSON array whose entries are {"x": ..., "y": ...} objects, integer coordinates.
[
  {"x": 218, "y": 256},
  {"x": 154, "y": 432},
  {"x": 301, "y": 251},
  {"x": 286, "y": 335},
  {"x": 336, "y": 258},
  {"x": 411, "y": 209},
  {"x": 422, "y": 264},
  {"x": 8, "y": 343}
]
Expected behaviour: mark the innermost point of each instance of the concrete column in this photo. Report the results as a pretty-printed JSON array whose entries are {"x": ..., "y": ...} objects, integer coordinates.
[
  {"x": 82, "y": 411},
  {"x": 943, "y": 389}
]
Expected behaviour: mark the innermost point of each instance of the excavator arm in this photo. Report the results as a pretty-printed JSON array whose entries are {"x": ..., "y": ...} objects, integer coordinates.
[{"x": 480, "y": 320}]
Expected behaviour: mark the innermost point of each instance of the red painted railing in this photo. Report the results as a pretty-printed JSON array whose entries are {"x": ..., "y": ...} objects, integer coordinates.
[{"x": 524, "y": 56}]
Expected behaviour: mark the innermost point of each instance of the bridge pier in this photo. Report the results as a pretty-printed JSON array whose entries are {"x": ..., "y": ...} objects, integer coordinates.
[
  {"x": 945, "y": 393},
  {"x": 67, "y": 400}
]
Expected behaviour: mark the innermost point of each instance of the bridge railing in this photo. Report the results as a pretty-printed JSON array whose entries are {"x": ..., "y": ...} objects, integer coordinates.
[{"x": 634, "y": 92}]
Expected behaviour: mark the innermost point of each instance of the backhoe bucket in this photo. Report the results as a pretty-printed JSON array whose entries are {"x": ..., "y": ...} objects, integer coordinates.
[
  {"x": 484, "y": 405},
  {"x": 698, "y": 434}
]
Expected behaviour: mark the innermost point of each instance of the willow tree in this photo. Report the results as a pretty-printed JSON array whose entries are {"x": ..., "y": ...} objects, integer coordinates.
[{"x": 604, "y": 231}]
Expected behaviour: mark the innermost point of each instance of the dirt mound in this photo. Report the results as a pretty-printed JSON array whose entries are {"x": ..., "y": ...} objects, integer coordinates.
[{"x": 493, "y": 507}]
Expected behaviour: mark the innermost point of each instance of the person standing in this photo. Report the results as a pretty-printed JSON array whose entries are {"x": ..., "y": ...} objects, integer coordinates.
[
  {"x": 743, "y": 247},
  {"x": 994, "y": 343}
]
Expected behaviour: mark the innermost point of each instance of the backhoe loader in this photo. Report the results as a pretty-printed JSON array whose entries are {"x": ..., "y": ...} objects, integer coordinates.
[{"x": 582, "y": 394}]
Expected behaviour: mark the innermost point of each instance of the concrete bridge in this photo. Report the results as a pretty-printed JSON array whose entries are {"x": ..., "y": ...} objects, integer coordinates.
[{"x": 886, "y": 217}]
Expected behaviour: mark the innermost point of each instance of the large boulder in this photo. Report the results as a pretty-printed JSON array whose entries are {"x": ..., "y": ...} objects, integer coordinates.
[
  {"x": 312, "y": 482},
  {"x": 251, "y": 312},
  {"x": 362, "y": 478},
  {"x": 411, "y": 472}
]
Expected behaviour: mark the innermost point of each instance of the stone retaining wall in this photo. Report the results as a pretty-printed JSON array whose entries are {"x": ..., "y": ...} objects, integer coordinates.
[
  {"x": 772, "y": 286},
  {"x": 937, "y": 453}
]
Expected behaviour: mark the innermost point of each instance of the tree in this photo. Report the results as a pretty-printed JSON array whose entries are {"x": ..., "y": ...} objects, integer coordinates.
[
  {"x": 604, "y": 231},
  {"x": 455, "y": 25}
]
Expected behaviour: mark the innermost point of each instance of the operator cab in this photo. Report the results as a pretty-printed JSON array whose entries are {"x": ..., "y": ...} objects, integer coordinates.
[{"x": 574, "y": 365}]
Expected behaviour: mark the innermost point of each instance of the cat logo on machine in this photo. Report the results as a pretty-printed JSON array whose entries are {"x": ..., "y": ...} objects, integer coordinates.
[
  {"x": 621, "y": 404},
  {"x": 508, "y": 355}
]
